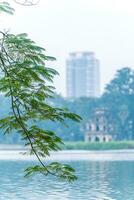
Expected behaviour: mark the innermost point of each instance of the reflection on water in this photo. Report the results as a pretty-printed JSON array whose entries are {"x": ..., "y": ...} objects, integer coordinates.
[{"x": 97, "y": 181}]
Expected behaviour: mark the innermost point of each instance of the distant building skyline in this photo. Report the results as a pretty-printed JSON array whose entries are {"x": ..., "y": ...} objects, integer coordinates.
[{"x": 82, "y": 75}]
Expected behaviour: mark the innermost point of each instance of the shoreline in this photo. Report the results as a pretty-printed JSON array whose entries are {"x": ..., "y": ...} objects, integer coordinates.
[{"x": 71, "y": 155}]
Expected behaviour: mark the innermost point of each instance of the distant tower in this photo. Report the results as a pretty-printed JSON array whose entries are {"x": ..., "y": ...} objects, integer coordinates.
[
  {"x": 98, "y": 128},
  {"x": 82, "y": 75}
]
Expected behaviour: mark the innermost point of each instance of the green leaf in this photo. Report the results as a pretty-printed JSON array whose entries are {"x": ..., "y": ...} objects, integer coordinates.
[
  {"x": 5, "y": 7},
  {"x": 26, "y": 80}
]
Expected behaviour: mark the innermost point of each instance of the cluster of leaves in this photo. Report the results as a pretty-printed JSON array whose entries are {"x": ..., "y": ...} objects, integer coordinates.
[
  {"x": 55, "y": 168},
  {"x": 27, "y": 81},
  {"x": 118, "y": 98},
  {"x": 5, "y": 7}
]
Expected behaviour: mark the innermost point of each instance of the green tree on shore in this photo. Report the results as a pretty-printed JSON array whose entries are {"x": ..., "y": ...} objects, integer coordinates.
[{"x": 118, "y": 98}]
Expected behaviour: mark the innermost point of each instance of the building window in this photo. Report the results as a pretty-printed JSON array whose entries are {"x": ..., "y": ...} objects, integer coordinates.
[
  {"x": 97, "y": 128},
  {"x": 97, "y": 139},
  {"x": 104, "y": 139}
]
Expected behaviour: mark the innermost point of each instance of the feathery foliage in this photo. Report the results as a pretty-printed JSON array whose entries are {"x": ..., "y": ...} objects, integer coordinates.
[
  {"x": 5, "y": 7},
  {"x": 27, "y": 81}
]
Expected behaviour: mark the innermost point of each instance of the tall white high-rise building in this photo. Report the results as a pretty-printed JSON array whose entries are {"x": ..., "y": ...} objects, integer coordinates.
[{"x": 82, "y": 75}]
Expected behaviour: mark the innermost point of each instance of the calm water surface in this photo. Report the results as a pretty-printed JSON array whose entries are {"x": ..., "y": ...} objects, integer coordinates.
[{"x": 97, "y": 181}]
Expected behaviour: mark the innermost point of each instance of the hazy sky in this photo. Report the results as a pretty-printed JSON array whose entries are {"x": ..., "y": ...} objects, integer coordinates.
[{"x": 62, "y": 26}]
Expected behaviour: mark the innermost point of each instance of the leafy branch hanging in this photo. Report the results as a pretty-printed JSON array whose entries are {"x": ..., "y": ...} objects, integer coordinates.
[{"x": 27, "y": 81}]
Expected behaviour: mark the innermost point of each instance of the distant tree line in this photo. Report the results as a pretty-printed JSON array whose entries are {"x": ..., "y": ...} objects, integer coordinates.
[{"x": 117, "y": 99}]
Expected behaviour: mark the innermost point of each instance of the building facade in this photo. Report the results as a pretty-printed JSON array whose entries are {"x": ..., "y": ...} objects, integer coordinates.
[
  {"x": 98, "y": 128},
  {"x": 82, "y": 75}
]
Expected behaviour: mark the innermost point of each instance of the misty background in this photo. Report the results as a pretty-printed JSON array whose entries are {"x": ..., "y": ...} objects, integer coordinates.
[{"x": 62, "y": 26}]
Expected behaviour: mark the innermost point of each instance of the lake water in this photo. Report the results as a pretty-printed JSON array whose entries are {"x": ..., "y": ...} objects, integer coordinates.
[{"x": 97, "y": 180}]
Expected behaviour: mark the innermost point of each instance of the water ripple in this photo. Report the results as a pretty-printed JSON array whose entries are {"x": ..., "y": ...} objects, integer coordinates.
[{"x": 97, "y": 181}]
